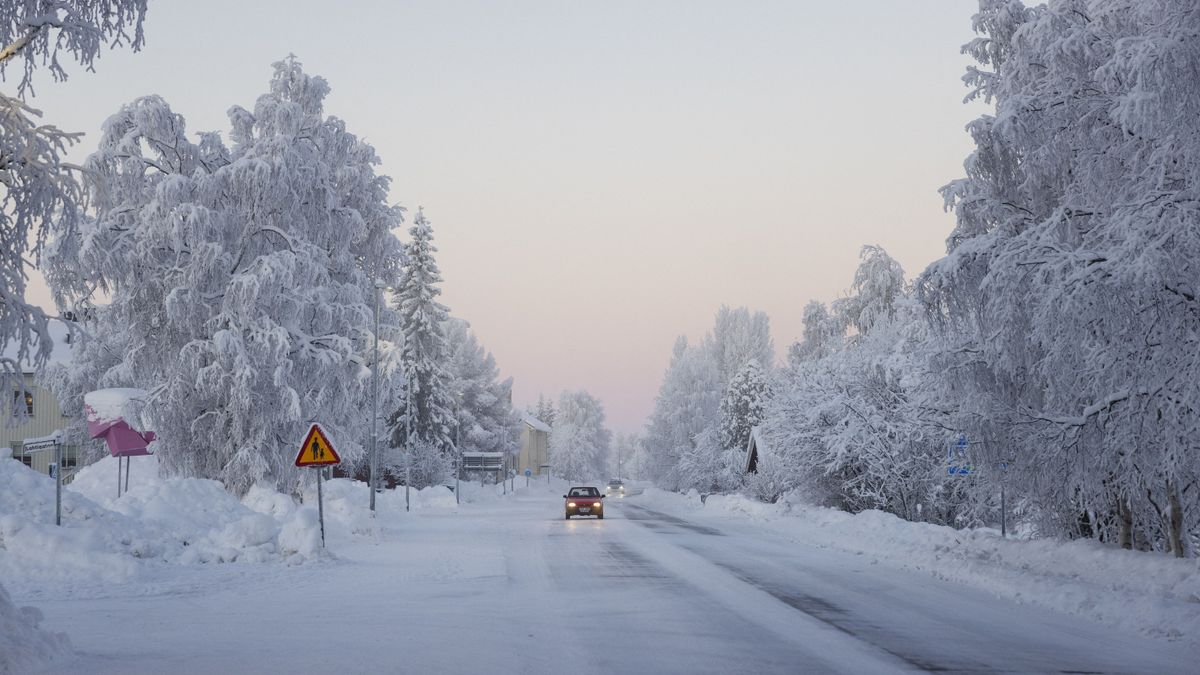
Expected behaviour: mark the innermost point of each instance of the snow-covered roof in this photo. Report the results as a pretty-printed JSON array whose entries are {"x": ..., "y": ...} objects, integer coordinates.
[
  {"x": 107, "y": 405},
  {"x": 535, "y": 423},
  {"x": 754, "y": 447},
  {"x": 60, "y": 352}
]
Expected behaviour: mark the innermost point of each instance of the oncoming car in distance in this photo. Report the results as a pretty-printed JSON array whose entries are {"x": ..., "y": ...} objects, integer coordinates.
[
  {"x": 615, "y": 487},
  {"x": 584, "y": 501}
]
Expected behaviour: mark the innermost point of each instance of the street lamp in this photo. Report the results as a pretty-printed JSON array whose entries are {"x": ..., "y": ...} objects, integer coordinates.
[
  {"x": 374, "y": 477},
  {"x": 458, "y": 396}
]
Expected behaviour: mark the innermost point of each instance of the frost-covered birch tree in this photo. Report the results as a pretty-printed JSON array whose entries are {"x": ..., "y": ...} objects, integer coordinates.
[
  {"x": 484, "y": 418},
  {"x": 688, "y": 402},
  {"x": 39, "y": 192},
  {"x": 239, "y": 278},
  {"x": 579, "y": 441},
  {"x": 1067, "y": 302}
]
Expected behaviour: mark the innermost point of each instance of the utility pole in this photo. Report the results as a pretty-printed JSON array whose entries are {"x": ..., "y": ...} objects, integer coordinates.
[
  {"x": 408, "y": 413},
  {"x": 373, "y": 479},
  {"x": 457, "y": 448}
]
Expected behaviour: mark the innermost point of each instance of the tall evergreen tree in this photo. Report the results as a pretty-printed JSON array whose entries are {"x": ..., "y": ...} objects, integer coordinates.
[
  {"x": 742, "y": 406},
  {"x": 424, "y": 351}
]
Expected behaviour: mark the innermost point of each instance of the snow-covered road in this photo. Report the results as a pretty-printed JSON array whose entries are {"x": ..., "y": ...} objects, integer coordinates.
[{"x": 513, "y": 588}]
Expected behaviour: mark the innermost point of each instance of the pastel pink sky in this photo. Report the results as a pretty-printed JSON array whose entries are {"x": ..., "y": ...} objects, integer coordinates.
[{"x": 602, "y": 176}]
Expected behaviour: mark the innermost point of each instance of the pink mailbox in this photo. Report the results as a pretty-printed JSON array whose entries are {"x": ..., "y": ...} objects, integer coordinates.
[{"x": 115, "y": 416}]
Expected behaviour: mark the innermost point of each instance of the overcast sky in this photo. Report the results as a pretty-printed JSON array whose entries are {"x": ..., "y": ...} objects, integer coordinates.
[{"x": 602, "y": 176}]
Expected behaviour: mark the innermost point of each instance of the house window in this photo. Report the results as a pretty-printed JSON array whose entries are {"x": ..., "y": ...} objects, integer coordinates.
[{"x": 28, "y": 399}]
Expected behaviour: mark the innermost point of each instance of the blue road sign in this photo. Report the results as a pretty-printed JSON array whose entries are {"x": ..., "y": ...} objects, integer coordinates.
[
  {"x": 957, "y": 458},
  {"x": 528, "y": 473}
]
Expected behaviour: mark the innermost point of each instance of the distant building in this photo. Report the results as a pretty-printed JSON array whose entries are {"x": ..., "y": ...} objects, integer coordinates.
[
  {"x": 535, "y": 446},
  {"x": 35, "y": 412}
]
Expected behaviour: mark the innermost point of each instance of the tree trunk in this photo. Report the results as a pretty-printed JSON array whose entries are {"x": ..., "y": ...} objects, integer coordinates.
[
  {"x": 1174, "y": 520},
  {"x": 1124, "y": 525}
]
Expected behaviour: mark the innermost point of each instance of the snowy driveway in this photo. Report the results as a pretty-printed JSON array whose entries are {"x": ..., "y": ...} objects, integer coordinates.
[{"x": 513, "y": 588}]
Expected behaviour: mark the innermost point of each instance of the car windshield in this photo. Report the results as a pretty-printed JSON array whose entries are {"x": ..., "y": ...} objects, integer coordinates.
[{"x": 583, "y": 492}]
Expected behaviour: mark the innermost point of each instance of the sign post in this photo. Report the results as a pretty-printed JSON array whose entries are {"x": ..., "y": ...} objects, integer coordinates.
[
  {"x": 528, "y": 473},
  {"x": 54, "y": 440},
  {"x": 316, "y": 451},
  {"x": 959, "y": 454}
]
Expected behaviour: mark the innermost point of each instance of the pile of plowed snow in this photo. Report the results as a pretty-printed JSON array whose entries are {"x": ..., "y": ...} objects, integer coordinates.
[
  {"x": 1152, "y": 593},
  {"x": 172, "y": 521}
]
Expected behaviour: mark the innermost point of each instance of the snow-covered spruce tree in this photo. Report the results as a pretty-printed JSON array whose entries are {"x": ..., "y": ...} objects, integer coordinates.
[
  {"x": 240, "y": 278},
  {"x": 424, "y": 351},
  {"x": 742, "y": 405},
  {"x": 1067, "y": 300},
  {"x": 38, "y": 192},
  {"x": 484, "y": 418},
  {"x": 579, "y": 442}
]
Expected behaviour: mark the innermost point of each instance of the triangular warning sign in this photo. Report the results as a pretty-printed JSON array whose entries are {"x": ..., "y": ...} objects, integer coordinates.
[{"x": 316, "y": 449}]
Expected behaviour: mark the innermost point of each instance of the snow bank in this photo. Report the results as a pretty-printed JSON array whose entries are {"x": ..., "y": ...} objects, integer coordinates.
[
  {"x": 172, "y": 521},
  {"x": 24, "y": 646},
  {"x": 1145, "y": 592}
]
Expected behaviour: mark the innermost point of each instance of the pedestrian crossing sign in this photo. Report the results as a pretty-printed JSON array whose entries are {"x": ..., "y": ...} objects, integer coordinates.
[{"x": 316, "y": 449}]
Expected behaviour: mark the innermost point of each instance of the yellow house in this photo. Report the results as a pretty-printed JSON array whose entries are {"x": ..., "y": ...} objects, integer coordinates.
[
  {"x": 35, "y": 412},
  {"x": 535, "y": 446}
]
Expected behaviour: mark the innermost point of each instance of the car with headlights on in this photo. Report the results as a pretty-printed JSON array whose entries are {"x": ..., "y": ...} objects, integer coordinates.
[
  {"x": 584, "y": 501},
  {"x": 615, "y": 487}
]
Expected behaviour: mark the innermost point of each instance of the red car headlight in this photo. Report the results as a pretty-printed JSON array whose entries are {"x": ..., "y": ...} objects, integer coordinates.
[{"x": 571, "y": 504}]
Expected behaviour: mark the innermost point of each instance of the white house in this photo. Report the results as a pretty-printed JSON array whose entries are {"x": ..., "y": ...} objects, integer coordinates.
[
  {"x": 41, "y": 414},
  {"x": 535, "y": 445}
]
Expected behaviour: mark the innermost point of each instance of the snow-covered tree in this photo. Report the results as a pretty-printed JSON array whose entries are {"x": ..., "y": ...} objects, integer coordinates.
[
  {"x": 424, "y": 352},
  {"x": 484, "y": 418},
  {"x": 38, "y": 192},
  {"x": 579, "y": 441},
  {"x": 738, "y": 337},
  {"x": 543, "y": 410},
  {"x": 626, "y": 457},
  {"x": 847, "y": 427},
  {"x": 239, "y": 279},
  {"x": 823, "y": 333},
  {"x": 742, "y": 405},
  {"x": 688, "y": 403},
  {"x": 1067, "y": 300}
]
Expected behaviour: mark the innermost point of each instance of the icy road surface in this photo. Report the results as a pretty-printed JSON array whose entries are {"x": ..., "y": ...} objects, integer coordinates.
[{"x": 513, "y": 588}]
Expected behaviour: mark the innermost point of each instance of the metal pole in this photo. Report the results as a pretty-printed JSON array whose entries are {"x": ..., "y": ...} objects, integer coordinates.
[
  {"x": 457, "y": 448},
  {"x": 1003, "y": 514},
  {"x": 58, "y": 482},
  {"x": 127, "y": 461},
  {"x": 118, "y": 476},
  {"x": 320, "y": 507},
  {"x": 373, "y": 479},
  {"x": 408, "y": 413}
]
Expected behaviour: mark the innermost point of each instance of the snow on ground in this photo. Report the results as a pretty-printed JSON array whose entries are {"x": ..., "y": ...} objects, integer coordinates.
[
  {"x": 1149, "y": 593},
  {"x": 172, "y": 521},
  {"x": 23, "y": 645}
]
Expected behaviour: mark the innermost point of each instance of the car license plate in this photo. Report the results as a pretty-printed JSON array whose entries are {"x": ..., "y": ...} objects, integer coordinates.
[{"x": 585, "y": 509}]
